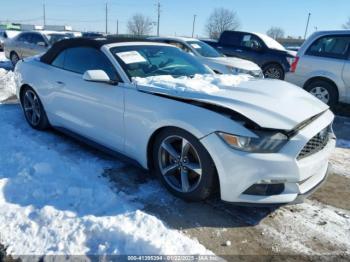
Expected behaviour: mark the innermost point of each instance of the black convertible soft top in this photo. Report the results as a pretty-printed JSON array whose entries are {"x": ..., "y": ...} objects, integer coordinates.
[{"x": 97, "y": 43}]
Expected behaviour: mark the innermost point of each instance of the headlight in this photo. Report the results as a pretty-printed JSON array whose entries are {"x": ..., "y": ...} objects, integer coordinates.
[
  {"x": 253, "y": 73},
  {"x": 266, "y": 142}
]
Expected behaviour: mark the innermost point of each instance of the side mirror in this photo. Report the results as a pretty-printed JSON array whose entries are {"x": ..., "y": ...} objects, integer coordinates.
[
  {"x": 97, "y": 76},
  {"x": 41, "y": 44}
]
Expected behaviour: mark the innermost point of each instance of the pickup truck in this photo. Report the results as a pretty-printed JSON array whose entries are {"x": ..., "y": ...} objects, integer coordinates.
[{"x": 270, "y": 55}]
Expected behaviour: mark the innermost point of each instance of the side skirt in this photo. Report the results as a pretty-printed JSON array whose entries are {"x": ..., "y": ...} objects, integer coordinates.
[{"x": 98, "y": 146}]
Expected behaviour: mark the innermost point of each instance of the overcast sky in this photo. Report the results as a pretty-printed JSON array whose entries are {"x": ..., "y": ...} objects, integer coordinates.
[{"x": 177, "y": 15}]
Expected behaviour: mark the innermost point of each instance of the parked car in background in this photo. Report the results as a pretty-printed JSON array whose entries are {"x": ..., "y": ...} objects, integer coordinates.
[
  {"x": 29, "y": 43},
  {"x": 271, "y": 56},
  {"x": 215, "y": 60},
  {"x": 322, "y": 66},
  {"x": 197, "y": 131},
  {"x": 5, "y": 35},
  {"x": 92, "y": 35},
  {"x": 293, "y": 48}
]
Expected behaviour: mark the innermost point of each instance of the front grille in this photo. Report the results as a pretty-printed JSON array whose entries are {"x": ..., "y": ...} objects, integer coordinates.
[{"x": 316, "y": 144}]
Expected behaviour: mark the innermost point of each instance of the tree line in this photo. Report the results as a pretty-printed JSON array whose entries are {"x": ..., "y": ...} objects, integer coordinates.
[{"x": 220, "y": 19}]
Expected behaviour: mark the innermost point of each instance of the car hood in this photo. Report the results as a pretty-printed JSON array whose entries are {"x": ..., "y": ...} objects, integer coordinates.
[
  {"x": 269, "y": 103},
  {"x": 233, "y": 62},
  {"x": 286, "y": 52}
]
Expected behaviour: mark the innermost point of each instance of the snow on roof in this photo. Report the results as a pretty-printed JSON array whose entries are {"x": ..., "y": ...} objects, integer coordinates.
[
  {"x": 180, "y": 38},
  {"x": 270, "y": 42}
]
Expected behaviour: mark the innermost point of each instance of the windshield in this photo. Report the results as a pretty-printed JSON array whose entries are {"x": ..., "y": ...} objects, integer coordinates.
[
  {"x": 204, "y": 49},
  {"x": 152, "y": 60},
  {"x": 270, "y": 42},
  {"x": 53, "y": 38}
]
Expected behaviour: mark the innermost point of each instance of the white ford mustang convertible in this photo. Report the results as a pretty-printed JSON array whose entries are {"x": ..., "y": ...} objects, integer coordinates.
[{"x": 255, "y": 141}]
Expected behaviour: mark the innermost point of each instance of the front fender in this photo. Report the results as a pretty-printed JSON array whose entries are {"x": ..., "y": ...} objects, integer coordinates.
[{"x": 146, "y": 113}]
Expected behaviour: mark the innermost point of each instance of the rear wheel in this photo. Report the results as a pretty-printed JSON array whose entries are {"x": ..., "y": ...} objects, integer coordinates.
[
  {"x": 183, "y": 165},
  {"x": 14, "y": 58},
  {"x": 273, "y": 71},
  {"x": 33, "y": 109},
  {"x": 324, "y": 91}
]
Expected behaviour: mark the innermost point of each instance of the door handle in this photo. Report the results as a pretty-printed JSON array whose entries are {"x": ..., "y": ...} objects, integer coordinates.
[
  {"x": 219, "y": 47},
  {"x": 60, "y": 84},
  {"x": 239, "y": 50}
]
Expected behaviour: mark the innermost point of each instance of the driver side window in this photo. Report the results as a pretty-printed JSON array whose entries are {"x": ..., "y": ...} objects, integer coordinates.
[
  {"x": 179, "y": 45},
  {"x": 251, "y": 42},
  {"x": 23, "y": 38},
  {"x": 81, "y": 59},
  {"x": 36, "y": 38}
]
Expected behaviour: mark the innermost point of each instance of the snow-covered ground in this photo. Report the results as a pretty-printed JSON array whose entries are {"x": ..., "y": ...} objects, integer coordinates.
[
  {"x": 294, "y": 227},
  {"x": 53, "y": 200}
]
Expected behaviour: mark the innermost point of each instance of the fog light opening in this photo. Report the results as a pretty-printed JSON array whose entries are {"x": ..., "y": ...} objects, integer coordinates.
[{"x": 265, "y": 189}]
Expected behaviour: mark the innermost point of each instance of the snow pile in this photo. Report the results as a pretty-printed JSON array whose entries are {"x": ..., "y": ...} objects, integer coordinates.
[
  {"x": 53, "y": 200},
  {"x": 7, "y": 84},
  {"x": 3, "y": 58},
  {"x": 340, "y": 160},
  {"x": 198, "y": 83},
  {"x": 294, "y": 226}
]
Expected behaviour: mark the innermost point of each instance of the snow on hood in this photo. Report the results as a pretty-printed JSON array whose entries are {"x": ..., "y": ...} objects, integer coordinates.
[
  {"x": 269, "y": 103},
  {"x": 199, "y": 83},
  {"x": 235, "y": 62}
]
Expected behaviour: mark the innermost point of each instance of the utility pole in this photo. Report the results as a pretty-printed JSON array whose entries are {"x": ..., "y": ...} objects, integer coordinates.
[
  {"x": 307, "y": 25},
  {"x": 44, "y": 14},
  {"x": 194, "y": 22},
  {"x": 106, "y": 18},
  {"x": 158, "y": 17},
  {"x": 117, "y": 27}
]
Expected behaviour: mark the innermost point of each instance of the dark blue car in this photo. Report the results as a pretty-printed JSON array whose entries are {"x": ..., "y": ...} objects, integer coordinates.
[{"x": 271, "y": 56}]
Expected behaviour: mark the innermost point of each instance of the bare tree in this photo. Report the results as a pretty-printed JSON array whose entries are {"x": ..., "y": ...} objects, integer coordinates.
[
  {"x": 221, "y": 19},
  {"x": 275, "y": 32},
  {"x": 347, "y": 24},
  {"x": 139, "y": 25}
]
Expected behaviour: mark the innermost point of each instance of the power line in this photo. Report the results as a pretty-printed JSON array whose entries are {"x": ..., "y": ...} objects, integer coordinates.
[
  {"x": 158, "y": 20},
  {"x": 307, "y": 25},
  {"x": 44, "y": 14},
  {"x": 106, "y": 18},
  {"x": 194, "y": 22}
]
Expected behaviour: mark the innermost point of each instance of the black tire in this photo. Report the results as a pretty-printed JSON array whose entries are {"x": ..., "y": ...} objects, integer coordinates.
[
  {"x": 14, "y": 58},
  {"x": 273, "y": 71},
  {"x": 326, "y": 91},
  {"x": 207, "y": 183},
  {"x": 37, "y": 109}
]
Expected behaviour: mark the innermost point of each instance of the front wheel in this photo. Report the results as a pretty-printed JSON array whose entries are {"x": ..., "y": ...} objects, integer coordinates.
[
  {"x": 324, "y": 91},
  {"x": 33, "y": 109},
  {"x": 183, "y": 165},
  {"x": 14, "y": 58},
  {"x": 273, "y": 71}
]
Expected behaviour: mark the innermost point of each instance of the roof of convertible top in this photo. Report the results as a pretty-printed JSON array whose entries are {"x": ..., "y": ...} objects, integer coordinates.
[{"x": 97, "y": 43}]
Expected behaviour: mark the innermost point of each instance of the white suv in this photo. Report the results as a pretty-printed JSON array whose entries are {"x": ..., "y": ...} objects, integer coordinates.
[{"x": 322, "y": 66}]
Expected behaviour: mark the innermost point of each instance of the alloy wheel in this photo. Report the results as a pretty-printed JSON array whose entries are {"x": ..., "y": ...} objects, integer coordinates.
[
  {"x": 272, "y": 72},
  {"x": 321, "y": 93},
  {"x": 14, "y": 59},
  {"x": 180, "y": 164},
  {"x": 31, "y": 107}
]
